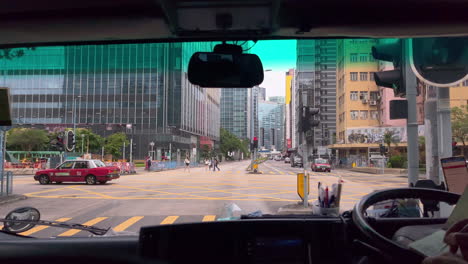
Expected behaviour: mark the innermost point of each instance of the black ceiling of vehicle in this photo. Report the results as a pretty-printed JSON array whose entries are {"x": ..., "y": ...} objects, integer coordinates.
[{"x": 58, "y": 22}]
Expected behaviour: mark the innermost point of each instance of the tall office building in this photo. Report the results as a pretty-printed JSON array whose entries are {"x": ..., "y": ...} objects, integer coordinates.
[
  {"x": 289, "y": 112},
  {"x": 315, "y": 86},
  {"x": 271, "y": 118},
  {"x": 261, "y": 93},
  {"x": 234, "y": 111},
  {"x": 139, "y": 89}
]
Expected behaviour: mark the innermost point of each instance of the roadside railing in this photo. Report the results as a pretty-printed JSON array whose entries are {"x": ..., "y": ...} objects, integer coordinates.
[{"x": 6, "y": 183}]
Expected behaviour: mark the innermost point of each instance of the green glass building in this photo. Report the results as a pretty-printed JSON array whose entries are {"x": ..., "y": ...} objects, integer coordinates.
[{"x": 139, "y": 89}]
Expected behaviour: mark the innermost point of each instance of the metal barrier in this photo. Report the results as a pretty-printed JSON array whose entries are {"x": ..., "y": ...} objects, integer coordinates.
[
  {"x": 6, "y": 183},
  {"x": 169, "y": 165}
]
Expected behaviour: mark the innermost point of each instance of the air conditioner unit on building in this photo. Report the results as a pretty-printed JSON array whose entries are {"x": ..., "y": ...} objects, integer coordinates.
[
  {"x": 379, "y": 97},
  {"x": 364, "y": 101},
  {"x": 373, "y": 102}
]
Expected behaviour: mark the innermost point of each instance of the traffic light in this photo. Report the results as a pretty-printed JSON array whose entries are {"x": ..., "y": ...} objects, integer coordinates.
[
  {"x": 441, "y": 62},
  {"x": 70, "y": 140},
  {"x": 59, "y": 144},
  {"x": 308, "y": 118},
  {"x": 391, "y": 52},
  {"x": 255, "y": 143}
]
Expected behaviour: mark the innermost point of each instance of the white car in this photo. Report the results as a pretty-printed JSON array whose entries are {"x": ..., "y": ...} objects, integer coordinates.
[{"x": 287, "y": 160}]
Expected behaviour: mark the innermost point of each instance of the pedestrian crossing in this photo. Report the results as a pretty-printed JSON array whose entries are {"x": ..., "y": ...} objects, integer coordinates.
[{"x": 117, "y": 223}]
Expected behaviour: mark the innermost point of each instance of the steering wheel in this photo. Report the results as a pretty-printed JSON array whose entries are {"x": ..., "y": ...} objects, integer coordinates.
[{"x": 393, "y": 251}]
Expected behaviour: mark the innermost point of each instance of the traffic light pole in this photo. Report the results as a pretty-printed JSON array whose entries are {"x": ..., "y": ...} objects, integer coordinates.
[{"x": 412, "y": 121}]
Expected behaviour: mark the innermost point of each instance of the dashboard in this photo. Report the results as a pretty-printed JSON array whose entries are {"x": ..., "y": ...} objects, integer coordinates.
[{"x": 321, "y": 240}]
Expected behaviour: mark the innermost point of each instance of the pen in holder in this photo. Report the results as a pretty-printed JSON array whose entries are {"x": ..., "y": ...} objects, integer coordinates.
[{"x": 328, "y": 202}]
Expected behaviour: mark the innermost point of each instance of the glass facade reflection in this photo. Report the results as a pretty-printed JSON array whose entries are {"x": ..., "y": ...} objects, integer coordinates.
[{"x": 110, "y": 86}]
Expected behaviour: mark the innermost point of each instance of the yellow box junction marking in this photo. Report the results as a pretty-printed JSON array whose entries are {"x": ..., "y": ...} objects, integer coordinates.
[
  {"x": 128, "y": 223},
  {"x": 72, "y": 232},
  {"x": 169, "y": 220}
]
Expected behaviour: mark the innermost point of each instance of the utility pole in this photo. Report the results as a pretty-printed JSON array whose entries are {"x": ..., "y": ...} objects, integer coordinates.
[
  {"x": 412, "y": 121},
  {"x": 131, "y": 149},
  {"x": 124, "y": 150}
]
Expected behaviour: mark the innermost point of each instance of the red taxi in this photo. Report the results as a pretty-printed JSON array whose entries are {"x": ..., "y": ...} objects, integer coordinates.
[
  {"x": 89, "y": 171},
  {"x": 321, "y": 165}
]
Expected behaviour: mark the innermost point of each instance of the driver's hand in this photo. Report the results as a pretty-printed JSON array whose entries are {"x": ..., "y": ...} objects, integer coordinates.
[
  {"x": 447, "y": 258},
  {"x": 457, "y": 237}
]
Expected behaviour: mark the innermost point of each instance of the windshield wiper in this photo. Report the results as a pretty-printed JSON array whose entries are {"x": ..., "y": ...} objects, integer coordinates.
[{"x": 92, "y": 229}]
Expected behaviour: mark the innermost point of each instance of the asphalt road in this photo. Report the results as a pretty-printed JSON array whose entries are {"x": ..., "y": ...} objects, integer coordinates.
[{"x": 176, "y": 196}]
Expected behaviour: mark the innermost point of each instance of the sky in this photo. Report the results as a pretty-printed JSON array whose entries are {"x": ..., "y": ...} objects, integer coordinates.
[{"x": 277, "y": 56}]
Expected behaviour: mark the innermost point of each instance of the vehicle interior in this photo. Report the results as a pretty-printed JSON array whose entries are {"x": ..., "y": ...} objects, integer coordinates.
[{"x": 353, "y": 237}]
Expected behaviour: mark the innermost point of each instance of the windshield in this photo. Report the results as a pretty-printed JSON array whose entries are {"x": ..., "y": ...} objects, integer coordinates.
[{"x": 191, "y": 154}]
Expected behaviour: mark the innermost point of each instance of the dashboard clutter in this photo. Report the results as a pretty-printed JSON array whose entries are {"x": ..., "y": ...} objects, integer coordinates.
[
  {"x": 328, "y": 202},
  {"x": 231, "y": 212}
]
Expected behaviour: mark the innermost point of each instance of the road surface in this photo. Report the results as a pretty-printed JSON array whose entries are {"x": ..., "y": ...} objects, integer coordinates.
[{"x": 176, "y": 196}]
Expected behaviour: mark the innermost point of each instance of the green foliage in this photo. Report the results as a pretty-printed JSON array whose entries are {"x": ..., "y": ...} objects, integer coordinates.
[
  {"x": 396, "y": 161},
  {"x": 389, "y": 139},
  {"x": 229, "y": 142},
  {"x": 114, "y": 144},
  {"x": 460, "y": 125},
  {"x": 422, "y": 149},
  {"x": 95, "y": 141},
  {"x": 27, "y": 139},
  {"x": 206, "y": 151}
]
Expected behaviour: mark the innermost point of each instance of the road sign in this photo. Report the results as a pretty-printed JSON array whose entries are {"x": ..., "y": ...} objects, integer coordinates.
[{"x": 301, "y": 179}]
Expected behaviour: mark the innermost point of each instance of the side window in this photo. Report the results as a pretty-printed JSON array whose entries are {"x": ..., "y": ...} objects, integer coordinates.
[
  {"x": 67, "y": 165},
  {"x": 81, "y": 165}
]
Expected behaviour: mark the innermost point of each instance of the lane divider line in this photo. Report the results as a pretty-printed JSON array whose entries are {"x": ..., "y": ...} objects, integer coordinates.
[{"x": 72, "y": 232}]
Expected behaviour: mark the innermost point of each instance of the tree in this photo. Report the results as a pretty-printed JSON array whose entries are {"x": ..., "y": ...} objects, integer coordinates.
[
  {"x": 422, "y": 149},
  {"x": 229, "y": 142},
  {"x": 114, "y": 144},
  {"x": 206, "y": 151},
  {"x": 388, "y": 139},
  {"x": 95, "y": 141},
  {"x": 460, "y": 125},
  {"x": 27, "y": 139}
]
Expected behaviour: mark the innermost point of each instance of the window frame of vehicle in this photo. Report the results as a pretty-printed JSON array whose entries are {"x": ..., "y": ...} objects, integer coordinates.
[
  {"x": 79, "y": 174},
  {"x": 62, "y": 174}
]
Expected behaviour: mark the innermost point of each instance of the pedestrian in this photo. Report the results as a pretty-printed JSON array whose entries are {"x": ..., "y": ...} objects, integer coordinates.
[
  {"x": 148, "y": 163},
  {"x": 207, "y": 164},
  {"x": 215, "y": 165},
  {"x": 187, "y": 164}
]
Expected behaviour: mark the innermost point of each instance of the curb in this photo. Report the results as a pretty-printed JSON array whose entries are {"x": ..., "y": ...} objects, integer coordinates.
[{"x": 12, "y": 198}]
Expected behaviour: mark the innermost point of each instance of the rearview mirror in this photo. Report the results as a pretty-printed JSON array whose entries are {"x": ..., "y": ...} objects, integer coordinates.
[
  {"x": 23, "y": 213},
  {"x": 225, "y": 70}
]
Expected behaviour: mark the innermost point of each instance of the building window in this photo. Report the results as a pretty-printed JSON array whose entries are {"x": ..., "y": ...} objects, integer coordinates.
[
  {"x": 364, "y": 115},
  {"x": 353, "y": 57},
  {"x": 373, "y": 114},
  {"x": 353, "y": 76},
  {"x": 465, "y": 83},
  {"x": 353, "y": 96},
  {"x": 371, "y": 58},
  {"x": 363, "y": 76},
  {"x": 363, "y": 96},
  {"x": 371, "y": 76},
  {"x": 363, "y": 57},
  {"x": 354, "y": 115},
  {"x": 373, "y": 96}
]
